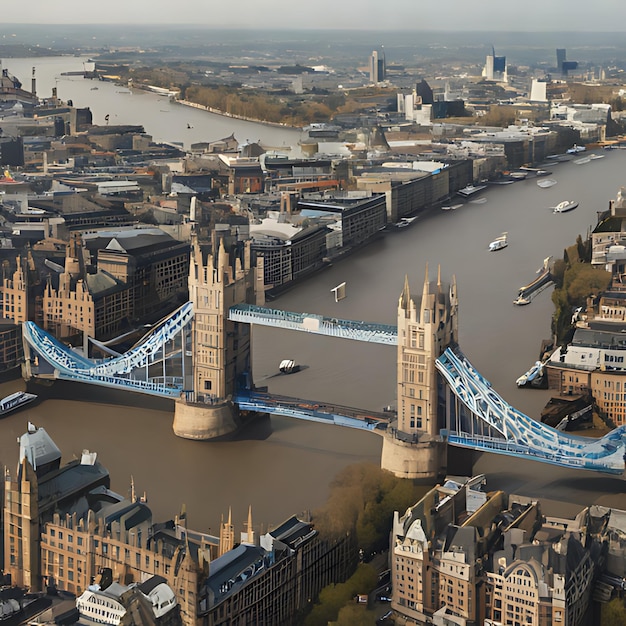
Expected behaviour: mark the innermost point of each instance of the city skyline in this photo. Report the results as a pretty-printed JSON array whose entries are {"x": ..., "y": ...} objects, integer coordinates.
[{"x": 538, "y": 16}]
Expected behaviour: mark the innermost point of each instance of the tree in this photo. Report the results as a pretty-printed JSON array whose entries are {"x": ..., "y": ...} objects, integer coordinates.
[
  {"x": 613, "y": 613},
  {"x": 355, "y": 615},
  {"x": 582, "y": 280},
  {"x": 334, "y": 597},
  {"x": 363, "y": 497}
]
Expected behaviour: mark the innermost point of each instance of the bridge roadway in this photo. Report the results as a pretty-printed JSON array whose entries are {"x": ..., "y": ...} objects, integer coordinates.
[{"x": 337, "y": 415}]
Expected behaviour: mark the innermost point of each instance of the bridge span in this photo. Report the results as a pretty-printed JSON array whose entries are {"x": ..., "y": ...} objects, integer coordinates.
[
  {"x": 313, "y": 323},
  {"x": 472, "y": 414},
  {"x": 312, "y": 411}
]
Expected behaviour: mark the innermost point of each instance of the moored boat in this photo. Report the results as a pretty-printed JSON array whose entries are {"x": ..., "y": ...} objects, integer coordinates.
[
  {"x": 15, "y": 401},
  {"x": 544, "y": 279},
  {"x": 470, "y": 190},
  {"x": 518, "y": 175},
  {"x": 546, "y": 182},
  {"x": 536, "y": 371}
]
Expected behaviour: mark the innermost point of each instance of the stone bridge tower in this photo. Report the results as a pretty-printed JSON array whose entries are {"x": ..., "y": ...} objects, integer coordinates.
[
  {"x": 413, "y": 448},
  {"x": 221, "y": 274}
]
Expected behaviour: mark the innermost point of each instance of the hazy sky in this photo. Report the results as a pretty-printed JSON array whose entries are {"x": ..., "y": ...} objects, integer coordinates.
[{"x": 529, "y": 15}]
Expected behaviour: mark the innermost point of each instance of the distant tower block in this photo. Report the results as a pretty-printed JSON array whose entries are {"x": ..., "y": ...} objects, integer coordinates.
[
  {"x": 221, "y": 274},
  {"x": 339, "y": 291},
  {"x": 426, "y": 327}
]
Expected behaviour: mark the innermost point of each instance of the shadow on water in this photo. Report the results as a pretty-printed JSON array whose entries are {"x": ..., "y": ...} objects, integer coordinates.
[{"x": 81, "y": 392}]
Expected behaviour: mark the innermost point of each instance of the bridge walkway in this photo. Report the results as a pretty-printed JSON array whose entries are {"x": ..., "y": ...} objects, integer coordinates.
[{"x": 313, "y": 411}]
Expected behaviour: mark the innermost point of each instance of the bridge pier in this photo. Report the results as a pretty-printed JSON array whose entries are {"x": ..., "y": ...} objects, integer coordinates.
[
  {"x": 426, "y": 459},
  {"x": 199, "y": 421}
]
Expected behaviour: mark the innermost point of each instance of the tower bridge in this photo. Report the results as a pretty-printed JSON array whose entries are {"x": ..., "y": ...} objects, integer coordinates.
[{"x": 201, "y": 357}]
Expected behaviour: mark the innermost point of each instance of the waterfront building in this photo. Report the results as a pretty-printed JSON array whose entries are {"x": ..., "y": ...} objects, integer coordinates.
[
  {"x": 410, "y": 188},
  {"x": 11, "y": 90},
  {"x": 39, "y": 488},
  {"x": 362, "y": 214},
  {"x": 64, "y": 528},
  {"x": 594, "y": 360},
  {"x": 466, "y": 556},
  {"x": 108, "y": 282},
  {"x": 288, "y": 257},
  {"x": 273, "y": 583}
]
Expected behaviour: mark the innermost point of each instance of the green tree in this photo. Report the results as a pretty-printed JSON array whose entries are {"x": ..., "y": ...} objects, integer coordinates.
[
  {"x": 582, "y": 280},
  {"x": 334, "y": 597},
  {"x": 355, "y": 615},
  {"x": 613, "y": 613}
]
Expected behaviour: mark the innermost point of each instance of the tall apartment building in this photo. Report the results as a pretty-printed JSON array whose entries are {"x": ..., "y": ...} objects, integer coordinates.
[
  {"x": 495, "y": 68},
  {"x": 466, "y": 556},
  {"x": 377, "y": 67}
]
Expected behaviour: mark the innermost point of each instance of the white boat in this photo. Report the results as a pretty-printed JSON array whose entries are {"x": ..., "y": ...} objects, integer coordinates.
[
  {"x": 546, "y": 182},
  {"x": 452, "y": 207},
  {"x": 566, "y": 205},
  {"x": 582, "y": 161},
  {"x": 594, "y": 157},
  {"x": 521, "y": 300},
  {"x": 518, "y": 175},
  {"x": 288, "y": 366},
  {"x": 576, "y": 149},
  {"x": 499, "y": 242},
  {"x": 15, "y": 400},
  {"x": 530, "y": 375},
  {"x": 470, "y": 190},
  {"x": 405, "y": 221}
]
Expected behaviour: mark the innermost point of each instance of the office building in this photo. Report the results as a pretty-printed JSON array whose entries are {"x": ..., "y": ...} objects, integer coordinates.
[
  {"x": 495, "y": 68},
  {"x": 564, "y": 66},
  {"x": 465, "y": 556},
  {"x": 377, "y": 66}
]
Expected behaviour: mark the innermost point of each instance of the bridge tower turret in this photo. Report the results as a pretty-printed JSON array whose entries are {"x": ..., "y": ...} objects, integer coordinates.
[
  {"x": 426, "y": 327},
  {"x": 221, "y": 274}
]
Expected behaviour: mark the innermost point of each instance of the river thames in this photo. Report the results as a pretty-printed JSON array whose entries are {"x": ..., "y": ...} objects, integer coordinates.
[{"x": 283, "y": 466}]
